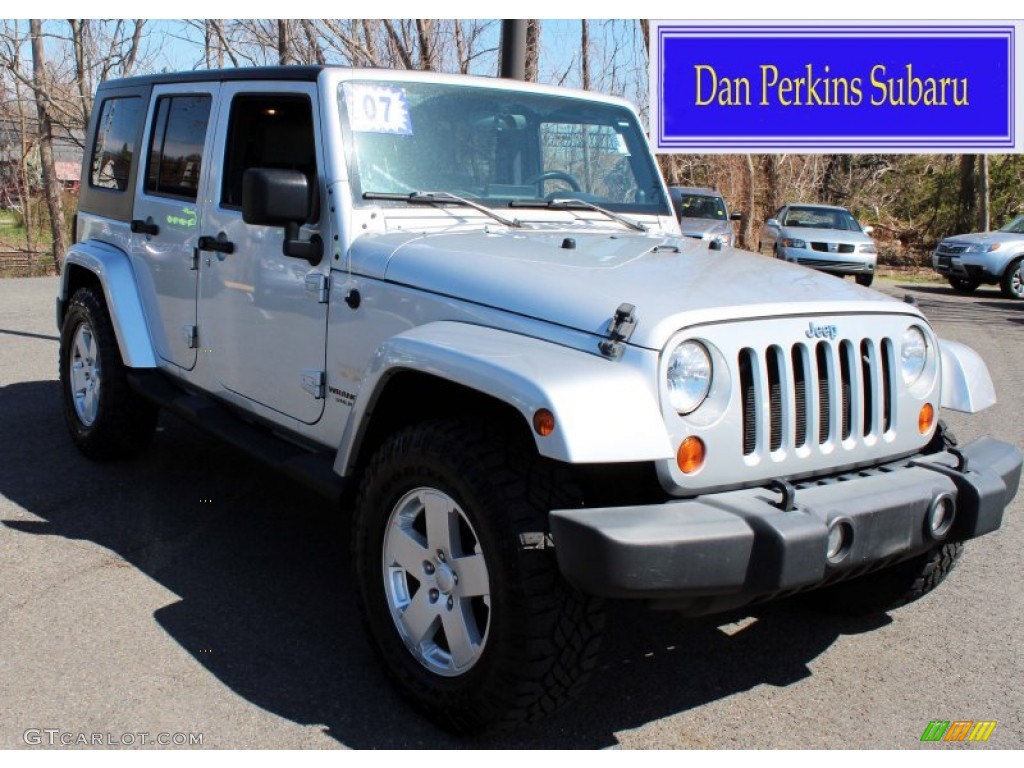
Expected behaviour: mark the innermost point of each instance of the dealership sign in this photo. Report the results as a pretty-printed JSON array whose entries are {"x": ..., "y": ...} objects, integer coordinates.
[{"x": 836, "y": 86}]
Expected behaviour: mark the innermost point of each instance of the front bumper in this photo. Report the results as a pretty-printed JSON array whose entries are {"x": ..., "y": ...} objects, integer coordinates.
[
  {"x": 838, "y": 263},
  {"x": 726, "y": 549},
  {"x": 965, "y": 266}
]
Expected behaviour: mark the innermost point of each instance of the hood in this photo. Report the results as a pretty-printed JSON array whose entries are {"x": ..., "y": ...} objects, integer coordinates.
[
  {"x": 712, "y": 227},
  {"x": 813, "y": 234},
  {"x": 985, "y": 237},
  {"x": 672, "y": 282}
]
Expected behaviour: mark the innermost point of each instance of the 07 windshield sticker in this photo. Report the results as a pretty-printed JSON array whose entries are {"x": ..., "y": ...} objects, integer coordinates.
[{"x": 377, "y": 109}]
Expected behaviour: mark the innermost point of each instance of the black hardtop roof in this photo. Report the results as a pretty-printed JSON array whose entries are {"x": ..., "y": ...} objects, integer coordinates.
[{"x": 299, "y": 72}]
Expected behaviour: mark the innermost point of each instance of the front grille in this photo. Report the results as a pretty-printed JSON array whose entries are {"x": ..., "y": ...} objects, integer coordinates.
[
  {"x": 833, "y": 247},
  {"x": 951, "y": 249},
  {"x": 849, "y": 398},
  {"x": 824, "y": 264}
]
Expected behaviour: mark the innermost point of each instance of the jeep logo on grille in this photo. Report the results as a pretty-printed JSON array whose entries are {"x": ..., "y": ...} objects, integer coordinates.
[{"x": 821, "y": 331}]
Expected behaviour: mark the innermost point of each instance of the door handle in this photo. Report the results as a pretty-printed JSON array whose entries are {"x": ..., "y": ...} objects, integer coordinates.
[
  {"x": 220, "y": 244},
  {"x": 147, "y": 227}
]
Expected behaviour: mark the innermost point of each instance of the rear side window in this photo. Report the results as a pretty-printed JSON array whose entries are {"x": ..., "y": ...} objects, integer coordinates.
[
  {"x": 114, "y": 147},
  {"x": 176, "y": 146}
]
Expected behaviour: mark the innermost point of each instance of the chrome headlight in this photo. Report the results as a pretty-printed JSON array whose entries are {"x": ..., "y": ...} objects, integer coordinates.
[
  {"x": 913, "y": 354},
  {"x": 794, "y": 242},
  {"x": 982, "y": 248},
  {"x": 689, "y": 376},
  {"x": 868, "y": 248}
]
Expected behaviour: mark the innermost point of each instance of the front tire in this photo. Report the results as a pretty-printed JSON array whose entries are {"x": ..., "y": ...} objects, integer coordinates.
[
  {"x": 1012, "y": 284},
  {"x": 865, "y": 280},
  {"x": 105, "y": 417},
  {"x": 891, "y": 588},
  {"x": 458, "y": 587}
]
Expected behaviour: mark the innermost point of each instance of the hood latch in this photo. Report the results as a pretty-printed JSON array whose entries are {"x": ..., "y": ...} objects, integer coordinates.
[{"x": 619, "y": 330}]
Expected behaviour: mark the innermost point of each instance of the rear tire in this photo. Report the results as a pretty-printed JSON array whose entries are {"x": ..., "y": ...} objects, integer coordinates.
[
  {"x": 964, "y": 284},
  {"x": 885, "y": 590},
  {"x": 1012, "y": 284},
  {"x": 105, "y": 417},
  {"x": 458, "y": 586}
]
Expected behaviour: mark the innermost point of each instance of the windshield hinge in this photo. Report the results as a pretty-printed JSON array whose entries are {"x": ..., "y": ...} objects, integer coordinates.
[
  {"x": 619, "y": 330},
  {"x": 319, "y": 284},
  {"x": 313, "y": 381}
]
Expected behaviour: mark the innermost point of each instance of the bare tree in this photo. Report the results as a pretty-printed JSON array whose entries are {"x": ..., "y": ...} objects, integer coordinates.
[
  {"x": 746, "y": 228},
  {"x": 284, "y": 47},
  {"x": 532, "y": 49},
  {"x": 984, "y": 197},
  {"x": 51, "y": 185}
]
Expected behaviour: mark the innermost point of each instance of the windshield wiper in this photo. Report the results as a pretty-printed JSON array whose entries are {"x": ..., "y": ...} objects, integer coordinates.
[
  {"x": 568, "y": 203},
  {"x": 435, "y": 198}
]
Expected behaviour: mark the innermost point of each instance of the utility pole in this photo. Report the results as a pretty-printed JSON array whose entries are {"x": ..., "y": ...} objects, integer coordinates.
[{"x": 513, "y": 49}]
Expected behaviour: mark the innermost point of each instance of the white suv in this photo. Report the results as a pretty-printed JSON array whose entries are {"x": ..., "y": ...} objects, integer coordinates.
[{"x": 463, "y": 307}]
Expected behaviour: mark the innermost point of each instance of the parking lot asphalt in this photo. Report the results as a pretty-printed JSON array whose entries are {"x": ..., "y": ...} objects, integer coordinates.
[{"x": 190, "y": 591}]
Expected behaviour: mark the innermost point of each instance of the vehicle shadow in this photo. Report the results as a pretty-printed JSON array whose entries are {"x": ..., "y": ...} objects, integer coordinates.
[
  {"x": 266, "y": 600},
  {"x": 945, "y": 305}
]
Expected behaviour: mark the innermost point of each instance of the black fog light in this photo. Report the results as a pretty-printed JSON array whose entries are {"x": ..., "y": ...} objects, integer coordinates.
[
  {"x": 940, "y": 516},
  {"x": 840, "y": 539}
]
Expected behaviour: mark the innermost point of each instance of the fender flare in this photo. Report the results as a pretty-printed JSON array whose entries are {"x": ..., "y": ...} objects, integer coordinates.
[
  {"x": 605, "y": 411},
  {"x": 966, "y": 383},
  {"x": 113, "y": 269}
]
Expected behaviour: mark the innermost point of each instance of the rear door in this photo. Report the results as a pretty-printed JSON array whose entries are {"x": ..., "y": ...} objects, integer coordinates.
[{"x": 167, "y": 217}]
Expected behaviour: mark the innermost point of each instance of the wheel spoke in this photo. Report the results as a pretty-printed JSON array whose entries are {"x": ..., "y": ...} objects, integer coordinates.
[
  {"x": 419, "y": 618},
  {"x": 473, "y": 580},
  {"x": 439, "y": 514},
  {"x": 461, "y": 633},
  {"x": 89, "y": 403},
  {"x": 77, "y": 377},
  {"x": 405, "y": 549},
  {"x": 81, "y": 345}
]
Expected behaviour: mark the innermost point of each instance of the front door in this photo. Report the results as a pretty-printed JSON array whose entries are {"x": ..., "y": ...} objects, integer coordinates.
[
  {"x": 168, "y": 214},
  {"x": 261, "y": 322}
]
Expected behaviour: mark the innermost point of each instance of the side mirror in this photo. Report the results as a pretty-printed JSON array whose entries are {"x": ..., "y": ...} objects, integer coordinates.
[
  {"x": 868, "y": 229},
  {"x": 736, "y": 216},
  {"x": 276, "y": 197},
  {"x": 772, "y": 223}
]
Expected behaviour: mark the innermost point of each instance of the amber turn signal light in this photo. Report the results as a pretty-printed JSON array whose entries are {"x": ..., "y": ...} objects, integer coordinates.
[
  {"x": 925, "y": 419},
  {"x": 543, "y": 422},
  {"x": 691, "y": 454}
]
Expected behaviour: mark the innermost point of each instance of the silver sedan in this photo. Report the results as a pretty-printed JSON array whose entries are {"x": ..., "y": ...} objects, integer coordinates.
[{"x": 824, "y": 237}]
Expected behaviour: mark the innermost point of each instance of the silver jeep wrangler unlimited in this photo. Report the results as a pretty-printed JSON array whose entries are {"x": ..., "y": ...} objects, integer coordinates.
[{"x": 464, "y": 307}]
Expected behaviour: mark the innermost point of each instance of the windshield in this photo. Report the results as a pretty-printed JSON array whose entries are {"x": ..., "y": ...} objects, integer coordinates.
[
  {"x": 496, "y": 146},
  {"x": 1016, "y": 226},
  {"x": 820, "y": 218},
  {"x": 701, "y": 207}
]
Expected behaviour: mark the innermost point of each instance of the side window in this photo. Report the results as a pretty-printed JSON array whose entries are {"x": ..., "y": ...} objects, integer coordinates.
[
  {"x": 267, "y": 131},
  {"x": 176, "y": 146},
  {"x": 114, "y": 147}
]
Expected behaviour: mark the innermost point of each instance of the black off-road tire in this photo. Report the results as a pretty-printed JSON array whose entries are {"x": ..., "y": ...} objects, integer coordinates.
[
  {"x": 541, "y": 635},
  {"x": 124, "y": 422},
  {"x": 964, "y": 284},
  {"x": 865, "y": 280},
  {"x": 1012, "y": 283},
  {"x": 891, "y": 588}
]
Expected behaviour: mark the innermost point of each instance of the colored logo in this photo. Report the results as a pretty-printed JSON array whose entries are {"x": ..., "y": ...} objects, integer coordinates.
[{"x": 958, "y": 730}]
